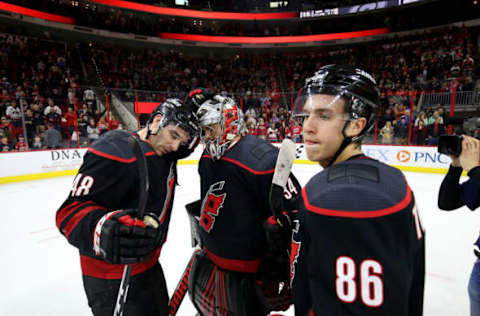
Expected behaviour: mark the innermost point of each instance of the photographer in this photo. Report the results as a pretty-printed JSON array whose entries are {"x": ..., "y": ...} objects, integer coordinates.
[{"x": 453, "y": 195}]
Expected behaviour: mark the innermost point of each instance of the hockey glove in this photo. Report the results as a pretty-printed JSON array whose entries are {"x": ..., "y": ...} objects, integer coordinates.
[
  {"x": 185, "y": 150},
  {"x": 197, "y": 96},
  {"x": 120, "y": 238},
  {"x": 278, "y": 234},
  {"x": 274, "y": 296}
]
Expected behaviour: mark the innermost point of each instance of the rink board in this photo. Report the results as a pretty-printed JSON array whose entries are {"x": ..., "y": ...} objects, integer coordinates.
[{"x": 34, "y": 165}]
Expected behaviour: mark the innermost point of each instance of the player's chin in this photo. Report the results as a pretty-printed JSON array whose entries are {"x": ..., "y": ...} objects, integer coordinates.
[{"x": 313, "y": 153}]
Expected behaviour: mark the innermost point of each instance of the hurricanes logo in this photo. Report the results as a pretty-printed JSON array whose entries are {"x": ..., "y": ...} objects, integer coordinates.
[
  {"x": 403, "y": 156},
  {"x": 295, "y": 251},
  {"x": 211, "y": 205}
]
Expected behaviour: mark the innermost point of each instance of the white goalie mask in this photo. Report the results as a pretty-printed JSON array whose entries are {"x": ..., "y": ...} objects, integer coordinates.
[{"x": 220, "y": 120}]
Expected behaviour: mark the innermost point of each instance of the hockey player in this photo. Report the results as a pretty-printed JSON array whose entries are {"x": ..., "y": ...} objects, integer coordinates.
[
  {"x": 235, "y": 273},
  {"x": 99, "y": 217},
  {"x": 453, "y": 195},
  {"x": 358, "y": 245}
]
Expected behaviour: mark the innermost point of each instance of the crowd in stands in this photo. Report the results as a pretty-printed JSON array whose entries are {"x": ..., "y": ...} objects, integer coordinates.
[{"x": 46, "y": 101}]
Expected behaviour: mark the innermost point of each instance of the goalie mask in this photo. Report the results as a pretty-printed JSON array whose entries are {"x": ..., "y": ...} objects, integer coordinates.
[
  {"x": 220, "y": 120},
  {"x": 174, "y": 112}
]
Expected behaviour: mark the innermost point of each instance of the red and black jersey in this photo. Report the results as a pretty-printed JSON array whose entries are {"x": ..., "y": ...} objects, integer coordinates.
[
  {"x": 358, "y": 245},
  {"x": 235, "y": 203},
  {"x": 108, "y": 180}
]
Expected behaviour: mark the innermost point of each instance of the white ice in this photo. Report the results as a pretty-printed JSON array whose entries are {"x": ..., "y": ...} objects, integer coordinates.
[{"x": 40, "y": 271}]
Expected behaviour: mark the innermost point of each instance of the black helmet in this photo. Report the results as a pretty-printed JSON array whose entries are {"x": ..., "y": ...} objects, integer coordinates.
[
  {"x": 355, "y": 86},
  {"x": 174, "y": 112}
]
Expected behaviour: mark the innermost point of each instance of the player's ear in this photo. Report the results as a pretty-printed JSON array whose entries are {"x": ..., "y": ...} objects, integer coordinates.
[
  {"x": 156, "y": 121},
  {"x": 355, "y": 127}
]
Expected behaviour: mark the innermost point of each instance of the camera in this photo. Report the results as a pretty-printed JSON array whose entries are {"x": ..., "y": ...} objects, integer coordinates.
[{"x": 450, "y": 145}]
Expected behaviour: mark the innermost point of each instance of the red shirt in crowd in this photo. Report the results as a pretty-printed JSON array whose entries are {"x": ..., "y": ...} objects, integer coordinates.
[{"x": 261, "y": 130}]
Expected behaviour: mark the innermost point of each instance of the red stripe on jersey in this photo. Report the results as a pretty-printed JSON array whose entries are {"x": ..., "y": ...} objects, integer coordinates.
[
  {"x": 103, "y": 270},
  {"x": 238, "y": 163},
  {"x": 359, "y": 214},
  {"x": 66, "y": 211},
  {"x": 116, "y": 158},
  {"x": 171, "y": 183},
  {"x": 234, "y": 264},
  {"x": 72, "y": 223}
]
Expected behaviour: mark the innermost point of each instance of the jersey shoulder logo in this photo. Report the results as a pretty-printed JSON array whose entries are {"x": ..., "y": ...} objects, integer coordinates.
[{"x": 211, "y": 205}]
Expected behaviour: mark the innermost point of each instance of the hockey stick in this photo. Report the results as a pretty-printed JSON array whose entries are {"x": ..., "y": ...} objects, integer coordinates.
[
  {"x": 142, "y": 202},
  {"x": 181, "y": 289},
  {"x": 284, "y": 164}
]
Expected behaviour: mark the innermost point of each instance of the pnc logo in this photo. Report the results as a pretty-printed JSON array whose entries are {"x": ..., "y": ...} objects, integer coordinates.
[{"x": 403, "y": 156}]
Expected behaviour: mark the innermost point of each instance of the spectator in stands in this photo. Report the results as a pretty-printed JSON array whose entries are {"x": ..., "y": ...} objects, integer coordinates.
[
  {"x": 420, "y": 132},
  {"x": 401, "y": 131},
  {"x": 68, "y": 121},
  {"x": 14, "y": 113},
  {"x": 53, "y": 114},
  {"x": 387, "y": 116},
  {"x": 272, "y": 132},
  {"x": 30, "y": 128},
  {"x": 386, "y": 133},
  {"x": 102, "y": 125},
  {"x": 435, "y": 130},
  {"x": 261, "y": 129},
  {"x": 53, "y": 138},
  {"x": 21, "y": 145},
  {"x": 297, "y": 132},
  {"x": 93, "y": 131},
  {"x": 4, "y": 144},
  {"x": 433, "y": 118},
  {"x": 7, "y": 129},
  {"x": 89, "y": 98},
  {"x": 37, "y": 143}
]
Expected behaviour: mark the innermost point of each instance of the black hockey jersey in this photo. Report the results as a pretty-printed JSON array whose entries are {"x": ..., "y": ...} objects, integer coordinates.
[
  {"x": 235, "y": 203},
  {"x": 108, "y": 180},
  {"x": 358, "y": 245}
]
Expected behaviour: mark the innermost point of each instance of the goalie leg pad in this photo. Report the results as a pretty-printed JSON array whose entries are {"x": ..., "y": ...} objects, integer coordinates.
[{"x": 214, "y": 291}]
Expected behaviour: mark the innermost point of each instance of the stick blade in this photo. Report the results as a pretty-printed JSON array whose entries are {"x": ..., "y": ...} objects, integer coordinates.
[{"x": 284, "y": 164}]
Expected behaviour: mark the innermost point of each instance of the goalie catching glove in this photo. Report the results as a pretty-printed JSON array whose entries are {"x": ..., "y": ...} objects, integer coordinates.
[{"x": 121, "y": 238}]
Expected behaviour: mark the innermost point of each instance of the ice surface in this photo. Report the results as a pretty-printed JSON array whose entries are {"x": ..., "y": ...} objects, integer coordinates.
[{"x": 41, "y": 271}]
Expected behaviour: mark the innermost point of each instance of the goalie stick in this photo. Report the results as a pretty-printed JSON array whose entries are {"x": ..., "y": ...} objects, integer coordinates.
[
  {"x": 142, "y": 202},
  {"x": 283, "y": 166}
]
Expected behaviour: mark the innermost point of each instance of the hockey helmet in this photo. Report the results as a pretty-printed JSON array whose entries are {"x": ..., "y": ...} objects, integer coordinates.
[
  {"x": 355, "y": 86},
  {"x": 174, "y": 112},
  {"x": 219, "y": 113}
]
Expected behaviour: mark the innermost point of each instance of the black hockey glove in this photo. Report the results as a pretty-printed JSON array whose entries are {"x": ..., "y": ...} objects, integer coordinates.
[
  {"x": 121, "y": 238},
  {"x": 197, "y": 96},
  {"x": 278, "y": 233},
  {"x": 274, "y": 296},
  {"x": 185, "y": 150},
  {"x": 275, "y": 266}
]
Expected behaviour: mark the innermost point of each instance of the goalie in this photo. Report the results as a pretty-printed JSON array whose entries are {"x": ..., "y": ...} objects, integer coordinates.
[{"x": 237, "y": 272}]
